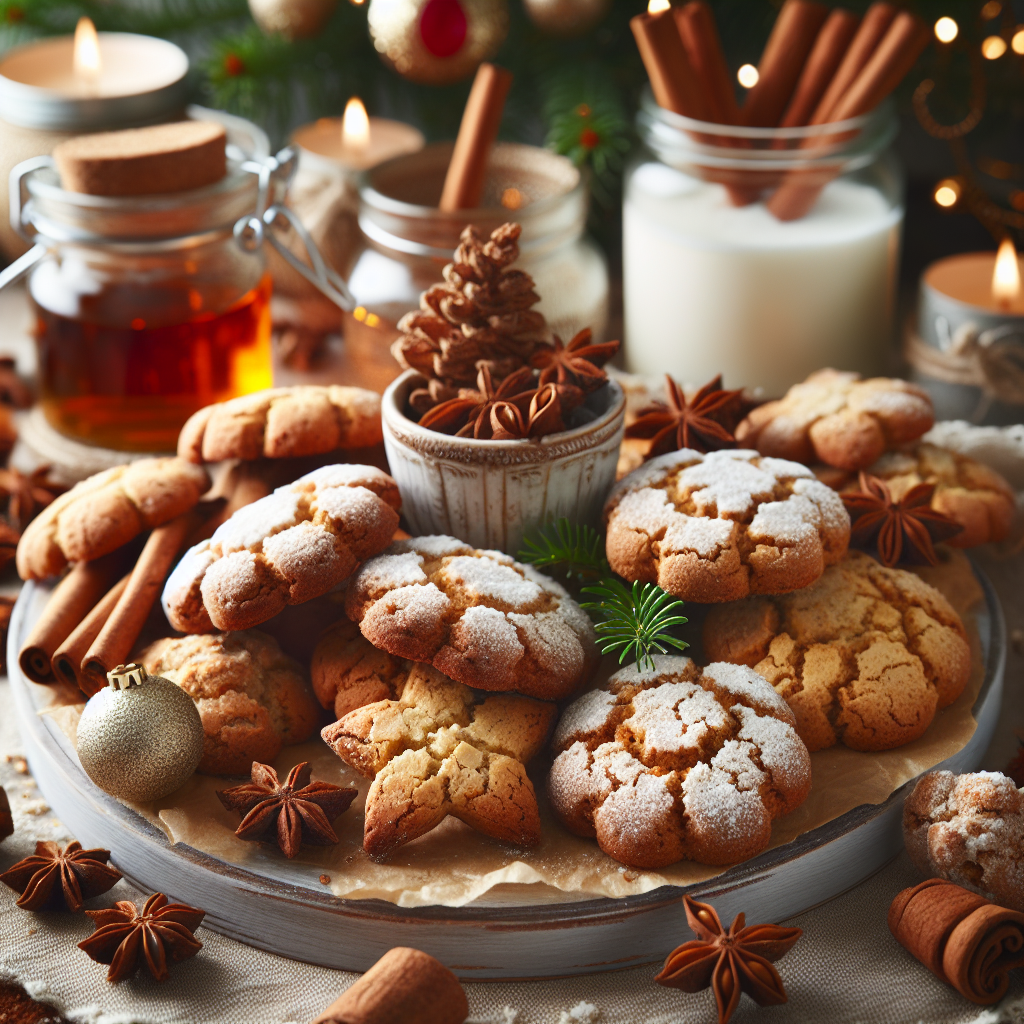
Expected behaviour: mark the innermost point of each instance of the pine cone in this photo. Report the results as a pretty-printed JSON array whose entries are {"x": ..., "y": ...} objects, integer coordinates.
[{"x": 481, "y": 316}]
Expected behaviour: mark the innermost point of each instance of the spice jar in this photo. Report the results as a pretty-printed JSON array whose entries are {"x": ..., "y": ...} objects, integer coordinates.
[
  {"x": 713, "y": 287},
  {"x": 407, "y": 240},
  {"x": 146, "y": 308}
]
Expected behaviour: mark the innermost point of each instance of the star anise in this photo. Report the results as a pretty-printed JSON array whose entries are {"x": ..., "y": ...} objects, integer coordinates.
[
  {"x": 700, "y": 424},
  {"x": 469, "y": 415},
  {"x": 299, "y": 812},
  {"x": 161, "y": 935},
  {"x": 730, "y": 962},
  {"x": 579, "y": 363},
  {"x": 545, "y": 414},
  {"x": 82, "y": 874},
  {"x": 27, "y": 495},
  {"x": 904, "y": 530},
  {"x": 6, "y": 818}
]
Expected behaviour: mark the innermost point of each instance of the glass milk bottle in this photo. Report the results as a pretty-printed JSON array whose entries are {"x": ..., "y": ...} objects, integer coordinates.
[{"x": 711, "y": 286}]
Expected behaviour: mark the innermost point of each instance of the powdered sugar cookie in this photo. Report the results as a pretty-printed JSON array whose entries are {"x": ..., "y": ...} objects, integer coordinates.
[
  {"x": 719, "y": 526},
  {"x": 289, "y": 547},
  {"x": 839, "y": 419},
  {"x": 678, "y": 763},
  {"x": 478, "y": 616}
]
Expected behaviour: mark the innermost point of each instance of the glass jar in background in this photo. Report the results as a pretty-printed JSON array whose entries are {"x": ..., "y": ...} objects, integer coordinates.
[
  {"x": 713, "y": 287},
  {"x": 406, "y": 242},
  {"x": 145, "y": 308}
]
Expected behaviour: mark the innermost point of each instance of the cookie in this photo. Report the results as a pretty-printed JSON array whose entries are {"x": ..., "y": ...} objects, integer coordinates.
[
  {"x": 969, "y": 829},
  {"x": 348, "y": 671},
  {"x": 720, "y": 526},
  {"x": 678, "y": 762},
  {"x": 251, "y": 696},
  {"x": 280, "y": 423},
  {"x": 106, "y": 511},
  {"x": 442, "y": 749},
  {"x": 477, "y": 616},
  {"x": 970, "y": 493},
  {"x": 839, "y": 419},
  {"x": 864, "y": 657},
  {"x": 289, "y": 547}
]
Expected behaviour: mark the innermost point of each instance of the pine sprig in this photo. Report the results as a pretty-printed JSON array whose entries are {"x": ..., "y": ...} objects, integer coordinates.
[
  {"x": 635, "y": 621},
  {"x": 574, "y": 548}
]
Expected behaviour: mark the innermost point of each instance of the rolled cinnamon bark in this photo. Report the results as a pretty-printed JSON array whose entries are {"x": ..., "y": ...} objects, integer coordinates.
[
  {"x": 785, "y": 54},
  {"x": 673, "y": 80},
  {"x": 67, "y": 658},
  {"x": 696, "y": 25},
  {"x": 119, "y": 633},
  {"x": 403, "y": 986},
  {"x": 964, "y": 939},
  {"x": 69, "y": 603},
  {"x": 464, "y": 182}
]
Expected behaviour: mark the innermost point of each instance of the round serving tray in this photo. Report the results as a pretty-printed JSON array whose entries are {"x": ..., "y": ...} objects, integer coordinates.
[{"x": 487, "y": 939}]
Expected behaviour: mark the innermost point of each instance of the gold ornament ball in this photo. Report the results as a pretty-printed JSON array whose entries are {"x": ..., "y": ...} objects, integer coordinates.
[
  {"x": 141, "y": 742},
  {"x": 293, "y": 19},
  {"x": 566, "y": 17},
  {"x": 437, "y": 42}
]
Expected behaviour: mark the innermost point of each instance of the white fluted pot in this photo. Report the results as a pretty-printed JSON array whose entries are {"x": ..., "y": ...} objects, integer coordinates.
[{"x": 488, "y": 493}]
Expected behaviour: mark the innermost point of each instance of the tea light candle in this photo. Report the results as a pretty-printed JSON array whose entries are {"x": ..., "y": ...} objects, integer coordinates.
[{"x": 354, "y": 142}]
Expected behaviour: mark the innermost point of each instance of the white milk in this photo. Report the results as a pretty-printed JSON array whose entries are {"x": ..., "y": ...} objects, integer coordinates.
[{"x": 711, "y": 288}]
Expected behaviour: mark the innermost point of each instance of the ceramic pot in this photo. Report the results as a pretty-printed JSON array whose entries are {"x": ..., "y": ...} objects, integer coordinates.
[{"x": 488, "y": 493}]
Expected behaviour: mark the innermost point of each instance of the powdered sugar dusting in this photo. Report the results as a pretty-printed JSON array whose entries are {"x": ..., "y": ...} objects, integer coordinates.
[
  {"x": 725, "y": 487},
  {"x": 486, "y": 577},
  {"x": 704, "y": 537},
  {"x": 488, "y": 630},
  {"x": 553, "y": 643},
  {"x": 247, "y": 528},
  {"x": 587, "y": 715},
  {"x": 792, "y": 522},
  {"x": 743, "y": 683},
  {"x": 387, "y": 572}
]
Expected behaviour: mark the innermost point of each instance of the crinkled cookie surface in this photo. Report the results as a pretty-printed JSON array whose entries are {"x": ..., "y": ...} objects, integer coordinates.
[
  {"x": 477, "y": 616},
  {"x": 864, "y": 657},
  {"x": 720, "y": 526},
  {"x": 678, "y": 762}
]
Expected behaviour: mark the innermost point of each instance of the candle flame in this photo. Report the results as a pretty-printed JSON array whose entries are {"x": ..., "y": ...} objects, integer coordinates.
[
  {"x": 657, "y": 6},
  {"x": 1006, "y": 276},
  {"x": 355, "y": 125},
  {"x": 87, "y": 63}
]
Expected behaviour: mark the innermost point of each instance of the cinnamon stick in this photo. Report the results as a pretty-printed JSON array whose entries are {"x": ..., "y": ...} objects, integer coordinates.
[
  {"x": 69, "y": 603},
  {"x": 115, "y": 640},
  {"x": 876, "y": 22},
  {"x": 819, "y": 72},
  {"x": 464, "y": 182},
  {"x": 965, "y": 940},
  {"x": 673, "y": 80},
  {"x": 785, "y": 54},
  {"x": 403, "y": 986},
  {"x": 67, "y": 658},
  {"x": 699, "y": 34}
]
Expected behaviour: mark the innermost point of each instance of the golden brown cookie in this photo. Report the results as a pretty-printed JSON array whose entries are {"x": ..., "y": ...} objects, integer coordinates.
[
  {"x": 970, "y": 830},
  {"x": 864, "y": 656},
  {"x": 839, "y": 419},
  {"x": 719, "y": 526},
  {"x": 289, "y": 547},
  {"x": 478, "y": 616},
  {"x": 306, "y": 419},
  {"x": 252, "y": 698},
  {"x": 678, "y": 762},
  {"x": 441, "y": 749},
  {"x": 967, "y": 491},
  {"x": 107, "y": 510}
]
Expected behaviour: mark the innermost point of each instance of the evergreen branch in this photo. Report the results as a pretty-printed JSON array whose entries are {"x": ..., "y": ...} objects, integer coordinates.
[
  {"x": 575, "y": 548},
  {"x": 635, "y": 621}
]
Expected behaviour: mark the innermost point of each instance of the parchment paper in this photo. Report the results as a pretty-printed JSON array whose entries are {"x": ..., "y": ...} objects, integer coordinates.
[{"x": 454, "y": 865}]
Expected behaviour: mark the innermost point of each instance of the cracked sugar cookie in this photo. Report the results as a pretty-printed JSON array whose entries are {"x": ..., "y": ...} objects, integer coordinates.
[
  {"x": 678, "y": 763},
  {"x": 287, "y": 548},
  {"x": 720, "y": 526},
  {"x": 839, "y": 419},
  {"x": 442, "y": 749},
  {"x": 864, "y": 657},
  {"x": 477, "y": 616}
]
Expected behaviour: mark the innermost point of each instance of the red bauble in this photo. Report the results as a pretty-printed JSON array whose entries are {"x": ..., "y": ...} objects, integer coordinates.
[
  {"x": 443, "y": 27},
  {"x": 589, "y": 139}
]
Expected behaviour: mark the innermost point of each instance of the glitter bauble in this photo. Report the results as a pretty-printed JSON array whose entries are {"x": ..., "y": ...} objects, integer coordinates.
[
  {"x": 140, "y": 737},
  {"x": 435, "y": 42},
  {"x": 292, "y": 19},
  {"x": 566, "y": 17}
]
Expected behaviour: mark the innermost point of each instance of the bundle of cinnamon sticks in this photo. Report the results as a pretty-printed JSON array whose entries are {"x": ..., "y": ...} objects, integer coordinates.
[{"x": 818, "y": 67}]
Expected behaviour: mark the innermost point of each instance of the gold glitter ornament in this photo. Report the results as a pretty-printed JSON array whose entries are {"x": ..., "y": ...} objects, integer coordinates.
[
  {"x": 141, "y": 736},
  {"x": 566, "y": 18},
  {"x": 436, "y": 42},
  {"x": 292, "y": 19}
]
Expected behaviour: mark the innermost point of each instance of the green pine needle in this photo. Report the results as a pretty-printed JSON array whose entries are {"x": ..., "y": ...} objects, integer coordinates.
[
  {"x": 635, "y": 621},
  {"x": 576, "y": 549}
]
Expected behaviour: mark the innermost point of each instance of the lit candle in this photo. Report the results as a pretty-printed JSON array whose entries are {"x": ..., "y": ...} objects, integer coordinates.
[{"x": 354, "y": 142}]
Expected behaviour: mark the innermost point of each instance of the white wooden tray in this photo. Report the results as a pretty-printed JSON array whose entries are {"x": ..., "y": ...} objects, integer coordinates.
[{"x": 491, "y": 939}]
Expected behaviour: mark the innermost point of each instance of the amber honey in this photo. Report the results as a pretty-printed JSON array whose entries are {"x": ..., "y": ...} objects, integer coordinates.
[{"x": 133, "y": 363}]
